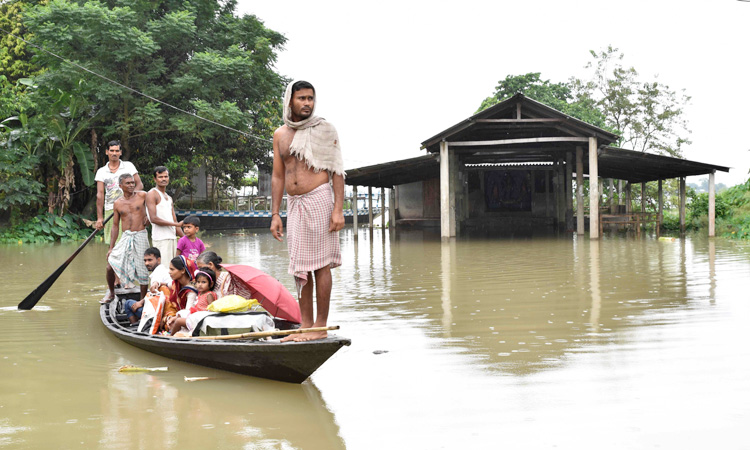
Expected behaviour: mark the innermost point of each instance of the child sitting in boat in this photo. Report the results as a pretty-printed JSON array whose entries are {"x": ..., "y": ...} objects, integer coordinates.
[{"x": 205, "y": 280}]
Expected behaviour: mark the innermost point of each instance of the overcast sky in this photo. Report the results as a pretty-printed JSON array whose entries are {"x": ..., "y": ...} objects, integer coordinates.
[{"x": 392, "y": 74}]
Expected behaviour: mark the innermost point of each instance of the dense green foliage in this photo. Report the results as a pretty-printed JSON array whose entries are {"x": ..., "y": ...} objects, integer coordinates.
[
  {"x": 556, "y": 95},
  {"x": 193, "y": 54},
  {"x": 735, "y": 224},
  {"x": 732, "y": 209},
  {"x": 15, "y": 58},
  {"x": 46, "y": 228}
]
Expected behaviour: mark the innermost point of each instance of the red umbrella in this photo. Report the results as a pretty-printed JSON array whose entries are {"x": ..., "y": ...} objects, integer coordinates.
[{"x": 250, "y": 282}]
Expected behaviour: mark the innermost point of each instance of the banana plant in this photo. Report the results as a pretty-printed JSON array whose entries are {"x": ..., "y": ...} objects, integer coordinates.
[{"x": 68, "y": 117}]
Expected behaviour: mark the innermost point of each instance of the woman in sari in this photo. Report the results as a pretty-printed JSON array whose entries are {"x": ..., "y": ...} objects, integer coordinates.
[{"x": 183, "y": 293}]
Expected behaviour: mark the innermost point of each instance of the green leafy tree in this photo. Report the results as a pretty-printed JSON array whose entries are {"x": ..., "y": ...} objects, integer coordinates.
[
  {"x": 63, "y": 122},
  {"x": 196, "y": 55},
  {"x": 15, "y": 59},
  {"x": 20, "y": 191},
  {"x": 648, "y": 115},
  {"x": 559, "y": 96}
]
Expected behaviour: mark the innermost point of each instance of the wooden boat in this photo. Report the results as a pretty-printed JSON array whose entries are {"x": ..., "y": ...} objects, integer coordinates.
[{"x": 292, "y": 362}]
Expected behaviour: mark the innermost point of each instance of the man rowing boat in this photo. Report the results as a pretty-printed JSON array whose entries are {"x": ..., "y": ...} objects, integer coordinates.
[{"x": 126, "y": 258}]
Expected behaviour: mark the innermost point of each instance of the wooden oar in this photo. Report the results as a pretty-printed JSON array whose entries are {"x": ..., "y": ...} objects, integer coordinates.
[
  {"x": 263, "y": 334},
  {"x": 42, "y": 289}
]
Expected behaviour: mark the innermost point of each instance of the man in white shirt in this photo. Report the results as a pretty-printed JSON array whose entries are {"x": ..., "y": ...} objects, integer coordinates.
[
  {"x": 108, "y": 185},
  {"x": 158, "y": 278},
  {"x": 160, "y": 209},
  {"x": 159, "y": 273}
]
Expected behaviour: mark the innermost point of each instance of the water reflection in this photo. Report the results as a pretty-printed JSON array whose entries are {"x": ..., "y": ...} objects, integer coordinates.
[
  {"x": 172, "y": 414},
  {"x": 530, "y": 340},
  {"x": 60, "y": 387},
  {"x": 522, "y": 304}
]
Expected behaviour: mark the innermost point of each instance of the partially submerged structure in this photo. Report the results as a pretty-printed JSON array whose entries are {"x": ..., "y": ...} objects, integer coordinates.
[{"x": 513, "y": 165}]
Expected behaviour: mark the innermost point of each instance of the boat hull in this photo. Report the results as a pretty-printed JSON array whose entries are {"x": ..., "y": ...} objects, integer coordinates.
[{"x": 292, "y": 362}]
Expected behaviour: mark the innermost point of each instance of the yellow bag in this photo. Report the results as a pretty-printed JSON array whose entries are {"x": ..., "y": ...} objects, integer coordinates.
[{"x": 232, "y": 304}]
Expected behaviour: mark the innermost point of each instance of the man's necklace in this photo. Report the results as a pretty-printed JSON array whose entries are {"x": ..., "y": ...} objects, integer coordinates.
[{"x": 115, "y": 169}]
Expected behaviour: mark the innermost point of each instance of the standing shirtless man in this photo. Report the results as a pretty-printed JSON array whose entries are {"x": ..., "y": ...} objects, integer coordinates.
[
  {"x": 306, "y": 162},
  {"x": 126, "y": 258}
]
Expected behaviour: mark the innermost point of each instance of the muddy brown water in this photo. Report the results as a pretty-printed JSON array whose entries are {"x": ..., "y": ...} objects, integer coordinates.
[{"x": 526, "y": 342}]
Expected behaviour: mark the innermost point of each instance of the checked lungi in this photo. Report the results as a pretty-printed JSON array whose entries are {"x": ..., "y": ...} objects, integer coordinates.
[
  {"x": 126, "y": 258},
  {"x": 311, "y": 245}
]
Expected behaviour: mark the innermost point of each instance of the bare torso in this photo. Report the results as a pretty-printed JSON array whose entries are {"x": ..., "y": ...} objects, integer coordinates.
[
  {"x": 132, "y": 211},
  {"x": 298, "y": 178}
]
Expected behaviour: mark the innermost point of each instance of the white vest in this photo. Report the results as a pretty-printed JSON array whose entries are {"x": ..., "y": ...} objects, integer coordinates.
[{"x": 164, "y": 212}]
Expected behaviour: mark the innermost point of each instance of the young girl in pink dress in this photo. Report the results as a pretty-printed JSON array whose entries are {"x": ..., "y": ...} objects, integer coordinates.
[{"x": 205, "y": 279}]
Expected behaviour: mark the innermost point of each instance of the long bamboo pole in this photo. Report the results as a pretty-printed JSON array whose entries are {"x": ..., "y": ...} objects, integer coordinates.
[{"x": 263, "y": 334}]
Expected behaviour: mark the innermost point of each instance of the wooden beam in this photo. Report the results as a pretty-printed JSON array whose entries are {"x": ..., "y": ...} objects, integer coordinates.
[
  {"x": 545, "y": 120},
  {"x": 660, "y": 194},
  {"x": 580, "y": 224},
  {"x": 569, "y": 191},
  {"x": 392, "y": 208},
  {"x": 711, "y": 205},
  {"x": 628, "y": 198},
  {"x": 519, "y": 141},
  {"x": 382, "y": 208},
  {"x": 355, "y": 213},
  {"x": 369, "y": 205},
  {"x": 447, "y": 214},
  {"x": 643, "y": 197},
  {"x": 593, "y": 189},
  {"x": 683, "y": 203}
]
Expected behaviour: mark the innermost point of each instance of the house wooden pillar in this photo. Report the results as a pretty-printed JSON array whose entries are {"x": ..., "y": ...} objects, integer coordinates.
[
  {"x": 643, "y": 197},
  {"x": 593, "y": 189},
  {"x": 711, "y": 204},
  {"x": 382, "y": 207},
  {"x": 369, "y": 206},
  {"x": 547, "y": 212},
  {"x": 683, "y": 203},
  {"x": 568, "y": 191},
  {"x": 556, "y": 185},
  {"x": 628, "y": 198},
  {"x": 660, "y": 194},
  {"x": 392, "y": 208},
  {"x": 580, "y": 219},
  {"x": 355, "y": 212},
  {"x": 447, "y": 193},
  {"x": 561, "y": 193}
]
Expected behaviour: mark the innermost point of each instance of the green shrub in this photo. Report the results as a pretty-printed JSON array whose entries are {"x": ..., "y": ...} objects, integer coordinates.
[
  {"x": 46, "y": 228},
  {"x": 698, "y": 206},
  {"x": 670, "y": 221}
]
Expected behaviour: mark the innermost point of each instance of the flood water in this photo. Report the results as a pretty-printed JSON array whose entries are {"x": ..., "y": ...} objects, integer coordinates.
[{"x": 478, "y": 342}]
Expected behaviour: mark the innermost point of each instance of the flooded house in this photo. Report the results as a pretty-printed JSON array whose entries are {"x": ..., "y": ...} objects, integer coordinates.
[{"x": 512, "y": 167}]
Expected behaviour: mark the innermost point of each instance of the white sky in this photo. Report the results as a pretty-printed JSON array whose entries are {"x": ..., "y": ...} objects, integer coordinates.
[{"x": 392, "y": 74}]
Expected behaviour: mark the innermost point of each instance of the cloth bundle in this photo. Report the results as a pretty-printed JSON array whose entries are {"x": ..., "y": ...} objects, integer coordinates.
[{"x": 315, "y": 141}]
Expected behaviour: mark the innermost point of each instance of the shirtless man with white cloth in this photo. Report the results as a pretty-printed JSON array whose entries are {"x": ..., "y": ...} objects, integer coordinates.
[{"x": 307, "y": 163}]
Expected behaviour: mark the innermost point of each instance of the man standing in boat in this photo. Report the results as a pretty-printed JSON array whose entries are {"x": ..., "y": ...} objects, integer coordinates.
[
  {"x": 108, "y": 185},
  {"x": 160, "y": 210},
  {"x": 126, "y": 258},
  {"x": 108, "y": 189},
  {"x": 307, "y": 163}
]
